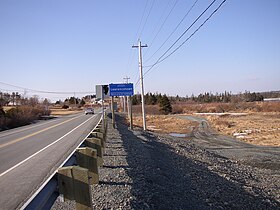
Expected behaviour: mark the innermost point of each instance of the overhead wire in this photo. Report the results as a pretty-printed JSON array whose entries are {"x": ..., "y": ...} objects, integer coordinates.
[
  {"x": 146, "y": 20},
  {"x": 140, "y": 29},
  {"x": 207, "y": 19},
  {"x": 140, "y": 24},
  {"x": 48, "y": 92},
  {"x": 162, "y": 58},
  {"x": 163, "y": 23},
  {"x": 175, "y": 29},
  {"x": 180, "y": 37}
]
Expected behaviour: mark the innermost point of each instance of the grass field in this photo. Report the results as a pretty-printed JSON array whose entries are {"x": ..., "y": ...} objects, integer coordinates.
[
  {"x": 256, "y": 128},
  {"x": 165, "y": 124},
  {"x": 258, "y": 123},
  {"x": 61, "y": 112}
]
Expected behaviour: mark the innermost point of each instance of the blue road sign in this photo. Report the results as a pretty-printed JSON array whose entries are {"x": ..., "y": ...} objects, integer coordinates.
[{"x": 125, "y": 89}]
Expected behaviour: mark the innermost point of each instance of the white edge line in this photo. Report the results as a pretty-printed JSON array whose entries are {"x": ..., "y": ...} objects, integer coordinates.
[
  {"x": 25, "y": 129},
  {"x": 52, "y": 175},
  {"x": 36, "y": 153}
]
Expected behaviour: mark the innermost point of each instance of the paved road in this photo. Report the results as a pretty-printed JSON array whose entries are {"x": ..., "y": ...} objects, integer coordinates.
[
  {"x": 258, "y": 156},
  {"x": 30, "y": 154}
]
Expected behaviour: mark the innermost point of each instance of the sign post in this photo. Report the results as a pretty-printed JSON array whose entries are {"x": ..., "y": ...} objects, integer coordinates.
[
  {"x": 113, "y": 111},
  {"x": 130, "y": 112},
  {"x": 102, "y": 92},
  {"x": 124, "y": 89}
]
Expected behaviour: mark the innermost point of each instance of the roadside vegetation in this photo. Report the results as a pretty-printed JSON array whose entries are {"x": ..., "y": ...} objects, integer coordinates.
[{"x": 16, "y": 110}]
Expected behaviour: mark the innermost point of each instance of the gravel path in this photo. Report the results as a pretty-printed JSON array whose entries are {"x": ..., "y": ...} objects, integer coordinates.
[{"x": 149, "y": 171}]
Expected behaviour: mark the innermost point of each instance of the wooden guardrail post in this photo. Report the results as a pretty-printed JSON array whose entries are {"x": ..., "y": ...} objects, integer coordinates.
[
  {"x": 73, "y": 183},
  {"x": 100, "y": 130},
  {"x": 100, "y": 135},
  {"x": 87, "y": 158},
  {"x": 96, "y": 143}
]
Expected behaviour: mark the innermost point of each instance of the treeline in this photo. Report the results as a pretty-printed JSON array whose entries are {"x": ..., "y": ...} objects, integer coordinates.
[
  {"x": 150, "y": 99},
  {"x": 162, "y": 101},
  {"x": 227, "y": 97},
  {"x": 6, "y": 98},
  {"x": 271, "y": 94},
  {"x": 16, "y": 99},
  {"x": 208, "y": 97},
  {"x": 75, "y": 101}
]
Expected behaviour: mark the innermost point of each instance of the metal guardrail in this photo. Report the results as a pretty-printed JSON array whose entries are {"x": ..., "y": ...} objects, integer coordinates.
[{"x": 48, "y": 192}]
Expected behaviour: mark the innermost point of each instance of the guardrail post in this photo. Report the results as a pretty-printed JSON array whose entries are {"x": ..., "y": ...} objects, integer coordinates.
[
  {"x": 100, "y": 130},
  {"x": 73, "y": 183},
  {"x": 96, "y": 143},
  {"x": 87, "y": 158},
  {"x": 98, "y": 135}
]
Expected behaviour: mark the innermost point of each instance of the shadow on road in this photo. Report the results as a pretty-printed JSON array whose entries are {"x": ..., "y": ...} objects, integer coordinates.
[{"x": 163, "y": 179}]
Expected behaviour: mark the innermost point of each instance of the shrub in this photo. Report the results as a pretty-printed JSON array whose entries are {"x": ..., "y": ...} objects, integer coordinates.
[
  {"x": 177, "y": 109},
  {"x": 23, "y": 115},
  {"x": 65, "y": 106}
]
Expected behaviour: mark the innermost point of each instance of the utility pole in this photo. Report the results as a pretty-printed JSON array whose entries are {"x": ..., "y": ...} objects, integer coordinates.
[
  {"x": 75, "y": 100},
  {"x": 129, "y": 106},
  {"x": 126, "y": 79},
  {"x": 124, "y": 98},
  {"x": 141, "y": 82}
]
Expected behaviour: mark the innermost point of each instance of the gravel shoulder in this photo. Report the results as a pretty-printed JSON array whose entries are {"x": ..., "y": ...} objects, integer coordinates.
[{"x": 145, "y": 170}]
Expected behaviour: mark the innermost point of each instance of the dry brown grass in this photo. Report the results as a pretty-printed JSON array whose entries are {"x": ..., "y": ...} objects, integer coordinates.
[
  {"x": 61, "y": 112},
  {"x": 261, "y": 124},
  {"x": 255, "y": 128},
  {"x": 165, "y": 124}
]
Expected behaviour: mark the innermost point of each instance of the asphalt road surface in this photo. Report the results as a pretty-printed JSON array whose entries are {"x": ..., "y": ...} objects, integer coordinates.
[{"x": 30, "y": 154}]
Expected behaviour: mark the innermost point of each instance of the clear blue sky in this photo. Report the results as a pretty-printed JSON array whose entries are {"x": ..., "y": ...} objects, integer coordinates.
[{"x": 71, "y": 45}]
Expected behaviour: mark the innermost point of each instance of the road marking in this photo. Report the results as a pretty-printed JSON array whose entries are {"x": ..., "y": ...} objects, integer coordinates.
[
  {"x": 51, "y": 176},
  {"x": 41, "y": 150},
  {"x": 9, "y": 132},
  {"x": 33, "y": 134}
]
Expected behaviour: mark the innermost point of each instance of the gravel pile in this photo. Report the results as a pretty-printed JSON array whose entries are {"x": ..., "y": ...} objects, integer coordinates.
[{"x": 151, "y": 171}]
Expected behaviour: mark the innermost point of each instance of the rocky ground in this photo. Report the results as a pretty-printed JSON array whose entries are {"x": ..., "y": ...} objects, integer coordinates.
[{"x": 152, "y": 171}]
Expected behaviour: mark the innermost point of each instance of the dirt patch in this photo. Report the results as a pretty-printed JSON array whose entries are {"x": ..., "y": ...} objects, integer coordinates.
[
  {"x": 255, "y": 128},
  {"x": 165, "y": 124}
]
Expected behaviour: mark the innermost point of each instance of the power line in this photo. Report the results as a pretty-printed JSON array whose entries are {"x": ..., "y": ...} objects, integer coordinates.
[
  {"x": 144, "y": 11},
  {"x": 140, "y": 31},
  {"x": 181, "y": 21},
  {"x": 42, "y": 91},
  {"x": 140, "y": 34},
  {"x": 161, "y": 57},
  {"x": 187, "y": 29},
  {"x": 172, "y": 8}
]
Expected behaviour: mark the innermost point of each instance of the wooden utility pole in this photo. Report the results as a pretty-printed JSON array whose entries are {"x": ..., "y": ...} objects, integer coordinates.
[
  {"x": 141, "y": 82},
  {"x": 124, "y": 97}
]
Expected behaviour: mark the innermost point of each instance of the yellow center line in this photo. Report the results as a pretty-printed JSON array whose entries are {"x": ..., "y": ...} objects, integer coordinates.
[{"x": 33, "y": 134}]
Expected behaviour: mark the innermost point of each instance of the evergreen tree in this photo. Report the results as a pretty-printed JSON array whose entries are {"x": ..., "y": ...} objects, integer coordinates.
[
  {"x": 153, "y": 99},
  {"x": 165, "y": 105}
]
